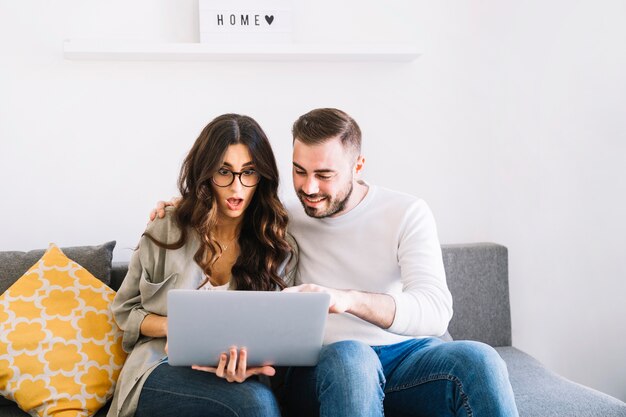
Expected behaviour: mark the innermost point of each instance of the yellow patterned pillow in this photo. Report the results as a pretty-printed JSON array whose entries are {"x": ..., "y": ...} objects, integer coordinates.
[{"x": 60, "y": 348}]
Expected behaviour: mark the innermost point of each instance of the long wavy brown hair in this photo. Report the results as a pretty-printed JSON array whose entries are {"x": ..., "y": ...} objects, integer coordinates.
[{"x": 262, "y": 242}]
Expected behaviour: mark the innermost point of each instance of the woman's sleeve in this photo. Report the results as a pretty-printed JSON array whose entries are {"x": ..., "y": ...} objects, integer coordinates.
[{"x": 127, "y": 307}]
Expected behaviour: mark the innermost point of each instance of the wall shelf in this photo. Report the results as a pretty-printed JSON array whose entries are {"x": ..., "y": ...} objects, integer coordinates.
[{"x": 91, "y": 50}]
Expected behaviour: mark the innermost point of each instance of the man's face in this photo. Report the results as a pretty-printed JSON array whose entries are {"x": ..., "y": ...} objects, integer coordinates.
[{"x": 323, "y": 177}]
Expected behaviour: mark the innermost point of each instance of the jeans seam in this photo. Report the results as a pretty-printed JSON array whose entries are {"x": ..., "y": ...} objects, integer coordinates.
[
  {"x": 382, "y": 399},
  {"x": 431, "y": 378},
  {"x": 192, "y": 396}
]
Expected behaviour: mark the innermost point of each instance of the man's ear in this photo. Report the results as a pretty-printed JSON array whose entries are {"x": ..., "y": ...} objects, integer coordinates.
[{"x": 358, "y": 167}]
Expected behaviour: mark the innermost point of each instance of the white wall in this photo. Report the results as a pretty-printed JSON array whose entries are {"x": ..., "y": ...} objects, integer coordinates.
[
  {"x": 511, "y": 125},
  {"x": 559, "y": 185}
]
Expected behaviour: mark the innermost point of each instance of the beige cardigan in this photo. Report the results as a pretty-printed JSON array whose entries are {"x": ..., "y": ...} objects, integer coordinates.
[{"x": 152, "y": 272}]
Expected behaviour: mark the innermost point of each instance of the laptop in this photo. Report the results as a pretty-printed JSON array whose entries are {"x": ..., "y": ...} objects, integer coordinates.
[{"x": 277, "y": 328}]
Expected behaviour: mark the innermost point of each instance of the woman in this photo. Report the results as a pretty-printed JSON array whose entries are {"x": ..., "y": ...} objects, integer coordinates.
[{"x": 229, "y": 207}]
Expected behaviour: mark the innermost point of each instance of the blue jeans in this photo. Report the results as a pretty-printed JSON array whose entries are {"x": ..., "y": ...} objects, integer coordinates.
[
  {"x": 419, "y": 377},
  {"x": 183, "y": 392}
]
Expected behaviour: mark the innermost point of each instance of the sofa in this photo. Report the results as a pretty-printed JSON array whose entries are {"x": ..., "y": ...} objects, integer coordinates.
[{"x": 477, "y": 275}]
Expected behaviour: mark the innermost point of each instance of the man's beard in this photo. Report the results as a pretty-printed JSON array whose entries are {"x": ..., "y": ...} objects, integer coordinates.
[{"x": 334, "y": 206}]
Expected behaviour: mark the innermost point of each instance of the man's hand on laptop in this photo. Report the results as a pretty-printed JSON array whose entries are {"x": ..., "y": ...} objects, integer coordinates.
[
  {"x": 234, "y": 368},
  {"x": 159, "y": 210},
  {"x": 339, "y": 299},
  {"x": 378, "y": 309}
]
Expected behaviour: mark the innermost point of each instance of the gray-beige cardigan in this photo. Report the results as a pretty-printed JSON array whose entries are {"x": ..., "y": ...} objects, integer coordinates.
[{"x": 152, "y": 272}]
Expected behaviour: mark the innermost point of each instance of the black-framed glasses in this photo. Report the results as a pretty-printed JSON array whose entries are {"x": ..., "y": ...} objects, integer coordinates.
[{"x": 224, "y": 177}]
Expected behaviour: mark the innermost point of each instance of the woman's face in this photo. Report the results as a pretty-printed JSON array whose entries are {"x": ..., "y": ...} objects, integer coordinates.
[{"x": 233, "y": 199}]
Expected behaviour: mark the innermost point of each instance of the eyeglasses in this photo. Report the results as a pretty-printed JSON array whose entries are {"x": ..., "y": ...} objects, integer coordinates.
[{"x": 224, "y": 177}]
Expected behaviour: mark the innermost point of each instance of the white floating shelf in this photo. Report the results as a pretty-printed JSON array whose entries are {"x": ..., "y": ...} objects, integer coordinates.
[{"x": 89, "y": 50}]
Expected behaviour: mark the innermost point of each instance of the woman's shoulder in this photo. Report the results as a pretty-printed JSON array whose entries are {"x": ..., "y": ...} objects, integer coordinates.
[{"x": 165, "y": 229}]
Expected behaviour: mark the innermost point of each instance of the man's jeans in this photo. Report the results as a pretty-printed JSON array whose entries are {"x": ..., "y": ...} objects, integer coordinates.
[
  {"x": 420, "y": 377},
  {"x": 173, "y": 391}
]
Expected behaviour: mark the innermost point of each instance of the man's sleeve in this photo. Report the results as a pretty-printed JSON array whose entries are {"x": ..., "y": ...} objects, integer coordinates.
[{"x": 424, "y": 307}]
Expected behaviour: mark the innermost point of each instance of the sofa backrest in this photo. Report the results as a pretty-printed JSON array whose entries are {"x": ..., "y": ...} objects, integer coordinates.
[
  {"x": 478, "y": 279},
  {"x": 118, "y": 272}
]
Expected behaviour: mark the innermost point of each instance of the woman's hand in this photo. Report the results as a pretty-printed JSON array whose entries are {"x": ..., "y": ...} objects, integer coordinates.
[{"x": 234, "y": 368}]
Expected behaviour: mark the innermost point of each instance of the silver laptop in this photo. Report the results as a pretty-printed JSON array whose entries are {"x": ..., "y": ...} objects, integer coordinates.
[{"x": 277, "y": 328}]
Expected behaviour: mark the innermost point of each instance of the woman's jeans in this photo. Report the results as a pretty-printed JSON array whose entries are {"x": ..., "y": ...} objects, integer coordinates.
[
  {"x": 184, "y": 392},
  {"x": 419, "y": 377}
]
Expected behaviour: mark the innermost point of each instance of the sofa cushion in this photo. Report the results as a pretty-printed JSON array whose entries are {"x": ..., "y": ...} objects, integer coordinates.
[
  {"x": 60, "y": 348},
  {"x": 96, "y": 259},
  {"x": 540, "y": 392}
]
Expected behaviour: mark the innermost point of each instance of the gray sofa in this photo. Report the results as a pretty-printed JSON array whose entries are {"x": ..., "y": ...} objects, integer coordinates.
[
  {"x": 478, "y": 278},
  {"x": 477, "y": 275}
]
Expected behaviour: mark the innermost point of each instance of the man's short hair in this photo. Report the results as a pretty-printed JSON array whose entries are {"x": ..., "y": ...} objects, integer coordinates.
[{"x": 320, "y": 125}]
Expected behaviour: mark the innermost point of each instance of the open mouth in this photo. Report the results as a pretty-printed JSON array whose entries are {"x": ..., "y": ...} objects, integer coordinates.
[{"x": 234, "y": 203}]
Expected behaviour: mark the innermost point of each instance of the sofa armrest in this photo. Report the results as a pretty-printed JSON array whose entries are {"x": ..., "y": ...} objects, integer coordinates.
[{"x": 478, "y": 279}]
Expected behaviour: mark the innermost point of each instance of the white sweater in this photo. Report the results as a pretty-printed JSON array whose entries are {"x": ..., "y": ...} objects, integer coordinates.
[{"x": 387, "y": 244}]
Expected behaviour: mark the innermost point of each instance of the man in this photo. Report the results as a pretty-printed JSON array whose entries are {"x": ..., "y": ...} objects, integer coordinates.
[{"x": 376, "y": 252}]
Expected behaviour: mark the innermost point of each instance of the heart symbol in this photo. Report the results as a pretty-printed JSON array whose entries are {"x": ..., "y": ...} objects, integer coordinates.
[{"x": 269, "y": 19}]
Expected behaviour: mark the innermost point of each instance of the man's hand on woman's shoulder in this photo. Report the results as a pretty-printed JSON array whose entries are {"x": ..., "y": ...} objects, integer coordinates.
[{"x": 159, "y": 210}]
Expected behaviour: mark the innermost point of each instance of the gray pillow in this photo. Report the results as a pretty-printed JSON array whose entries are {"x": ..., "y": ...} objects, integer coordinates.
[{"x": 95, "y": 259}]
